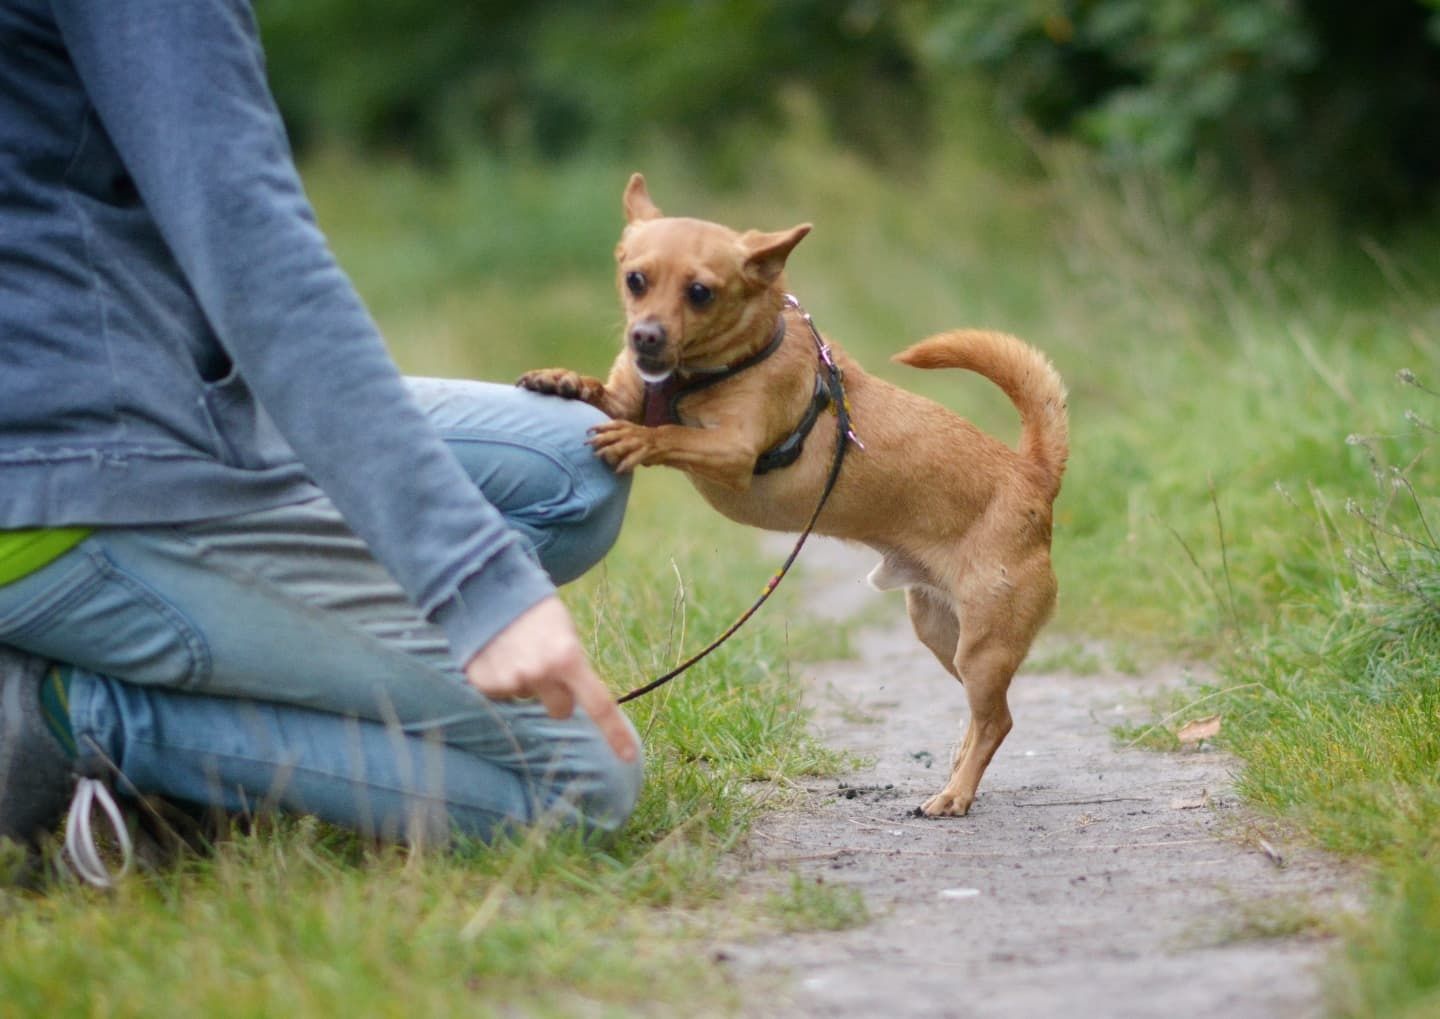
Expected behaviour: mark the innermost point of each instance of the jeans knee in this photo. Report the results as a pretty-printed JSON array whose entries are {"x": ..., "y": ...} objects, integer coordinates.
[
  {"x": 611, "y": 500},
  {"x": 574, "y": 548},
  {"x": 608, "y": 799}
]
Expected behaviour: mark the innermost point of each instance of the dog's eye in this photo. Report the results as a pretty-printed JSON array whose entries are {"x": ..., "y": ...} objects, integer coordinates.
[
  {"x": 636, "y": 283},
  {"x": 699, "y": 294}
]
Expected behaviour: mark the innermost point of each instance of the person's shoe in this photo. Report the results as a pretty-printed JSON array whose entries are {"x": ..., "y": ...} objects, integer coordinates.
[
  {"x": 39, "y": 780},
  {"x": 36, "y": 778}
]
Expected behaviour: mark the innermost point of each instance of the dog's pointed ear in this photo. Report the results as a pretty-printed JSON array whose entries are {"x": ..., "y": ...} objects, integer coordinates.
[
  {"x": 638, "y": 206},
  {"x": 765, "y": 254}
]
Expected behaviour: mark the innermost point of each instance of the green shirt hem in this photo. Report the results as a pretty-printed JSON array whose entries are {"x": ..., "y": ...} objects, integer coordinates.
[{"x": 24, "y": 552}]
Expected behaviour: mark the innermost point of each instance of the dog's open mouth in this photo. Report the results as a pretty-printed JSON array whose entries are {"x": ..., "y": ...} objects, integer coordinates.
[{"x": 653, "y": 372}]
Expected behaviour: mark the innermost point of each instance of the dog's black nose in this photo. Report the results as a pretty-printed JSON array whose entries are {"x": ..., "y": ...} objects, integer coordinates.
[{"x": 647, "y": 336}]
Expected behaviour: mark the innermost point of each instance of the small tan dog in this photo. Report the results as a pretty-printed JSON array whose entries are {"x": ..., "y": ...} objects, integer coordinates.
[{"x": 724, "y": 370}]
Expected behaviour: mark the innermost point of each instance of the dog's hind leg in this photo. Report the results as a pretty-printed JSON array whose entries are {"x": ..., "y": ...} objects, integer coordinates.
[
  {"x": 938, "y": 628},
  {"x": 994, "y": 640},
  {"x": 985, "y": 669}
]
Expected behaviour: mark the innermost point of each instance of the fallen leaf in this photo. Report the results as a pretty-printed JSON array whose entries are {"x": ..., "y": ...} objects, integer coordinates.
[{"x": 1199, "y": 729}]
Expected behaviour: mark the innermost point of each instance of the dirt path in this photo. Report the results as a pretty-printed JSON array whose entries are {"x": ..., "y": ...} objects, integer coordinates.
[{"x": 1088, "y": 880}]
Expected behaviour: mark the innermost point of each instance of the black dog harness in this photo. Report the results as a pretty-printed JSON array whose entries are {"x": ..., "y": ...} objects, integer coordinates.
[{"x": 662, "y": 399}]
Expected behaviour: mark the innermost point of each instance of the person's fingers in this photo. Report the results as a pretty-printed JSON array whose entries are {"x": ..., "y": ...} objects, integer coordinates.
[
  {"x": 491, "y": 683},
  {"x": 555, "y": 694},
  {"x": 595, "y": 698},
  {"x": 540, "y": 656}
]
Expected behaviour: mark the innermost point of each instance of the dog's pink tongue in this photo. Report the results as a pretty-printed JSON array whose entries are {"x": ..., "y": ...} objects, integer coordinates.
[{"x": 657, "y": 400}]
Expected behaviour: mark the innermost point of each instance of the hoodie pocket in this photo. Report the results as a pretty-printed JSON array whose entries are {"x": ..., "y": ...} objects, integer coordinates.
[{"x": 244, "y": 434}]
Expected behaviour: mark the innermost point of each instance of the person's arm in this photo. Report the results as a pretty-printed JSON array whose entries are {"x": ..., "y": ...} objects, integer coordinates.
[{"x": 180, "y": 88}]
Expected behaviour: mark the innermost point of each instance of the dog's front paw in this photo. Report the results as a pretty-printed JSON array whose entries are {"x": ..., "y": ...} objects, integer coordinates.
[
  {"x": 562, "y": 382},
  {"x": 947, "y": 804},
  {"x": 623, "y": 445}
]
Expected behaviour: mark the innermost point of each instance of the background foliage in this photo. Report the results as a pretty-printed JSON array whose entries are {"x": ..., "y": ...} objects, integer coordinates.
[
  {"x": 1327, "y": 97},
  {"x": 551, "y": 77},
  {"x": 1312, "y": 99}
]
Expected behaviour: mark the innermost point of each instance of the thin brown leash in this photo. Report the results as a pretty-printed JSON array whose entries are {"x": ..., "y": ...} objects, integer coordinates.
[{"x": 844, "y": 435}]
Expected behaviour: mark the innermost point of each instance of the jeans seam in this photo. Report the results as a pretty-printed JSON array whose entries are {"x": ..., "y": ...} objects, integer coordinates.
[
  {"x": 196, "y": 648},
  {"x": 29, "y": 618}
]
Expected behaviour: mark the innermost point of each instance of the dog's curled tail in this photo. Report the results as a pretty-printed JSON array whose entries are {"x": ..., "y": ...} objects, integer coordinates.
[{"x": 1023, "y": 373}]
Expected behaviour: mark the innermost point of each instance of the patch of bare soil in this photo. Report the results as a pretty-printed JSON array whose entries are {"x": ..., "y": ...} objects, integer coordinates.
[{"x": 1087, "y": 880}]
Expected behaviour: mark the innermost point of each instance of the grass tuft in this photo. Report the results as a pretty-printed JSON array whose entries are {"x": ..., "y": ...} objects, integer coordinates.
[
  {"x": 813, "y": 904},
  {"x": 1339, "y": 723}
]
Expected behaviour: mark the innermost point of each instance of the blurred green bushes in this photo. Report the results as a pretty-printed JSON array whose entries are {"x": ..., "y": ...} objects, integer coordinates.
[
  {"x": 1298, "y": 99},
  {"x": 1317, "y": 98},
  {"x": 549, "y": 77}
]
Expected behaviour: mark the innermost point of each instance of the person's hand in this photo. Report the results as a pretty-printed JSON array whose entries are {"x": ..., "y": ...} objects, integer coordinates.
[{"x": 539, "y": 655}]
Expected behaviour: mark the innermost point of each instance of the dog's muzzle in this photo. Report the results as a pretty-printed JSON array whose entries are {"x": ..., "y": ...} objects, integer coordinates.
[{"x": 649, "y": 344}]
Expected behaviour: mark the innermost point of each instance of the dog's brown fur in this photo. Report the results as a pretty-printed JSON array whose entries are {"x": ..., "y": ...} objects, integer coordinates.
[{"x": 961, "y": 520}]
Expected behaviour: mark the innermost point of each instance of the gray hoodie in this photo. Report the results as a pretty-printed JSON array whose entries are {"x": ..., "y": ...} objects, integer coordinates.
[{"x": 176, "y": 341}]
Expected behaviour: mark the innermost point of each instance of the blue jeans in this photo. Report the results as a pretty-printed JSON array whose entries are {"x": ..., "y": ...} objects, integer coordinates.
[{"x": 266, "y": 658}]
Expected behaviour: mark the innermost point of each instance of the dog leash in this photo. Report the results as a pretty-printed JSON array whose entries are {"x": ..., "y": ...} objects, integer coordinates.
[{"x": 844, "y": 435}]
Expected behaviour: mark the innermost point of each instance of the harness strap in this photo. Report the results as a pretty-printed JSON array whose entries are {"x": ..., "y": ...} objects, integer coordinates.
[
  {"x": 788, "y": 450},
  {"x": 662, "y": 399}
]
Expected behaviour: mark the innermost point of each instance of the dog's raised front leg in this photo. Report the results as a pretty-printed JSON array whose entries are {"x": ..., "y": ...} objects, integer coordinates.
[
  {"x": 710, "y": 453},
  {"x": 564, "y": 383}
]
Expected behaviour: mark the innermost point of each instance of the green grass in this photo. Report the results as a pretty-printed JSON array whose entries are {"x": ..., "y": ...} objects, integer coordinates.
[
  {"x": 814, "y": 905},
  {"x": 1338, "y": 720},
  {"x": 1278, "y": 484},
  {"x": 1217, "y": 359}
]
